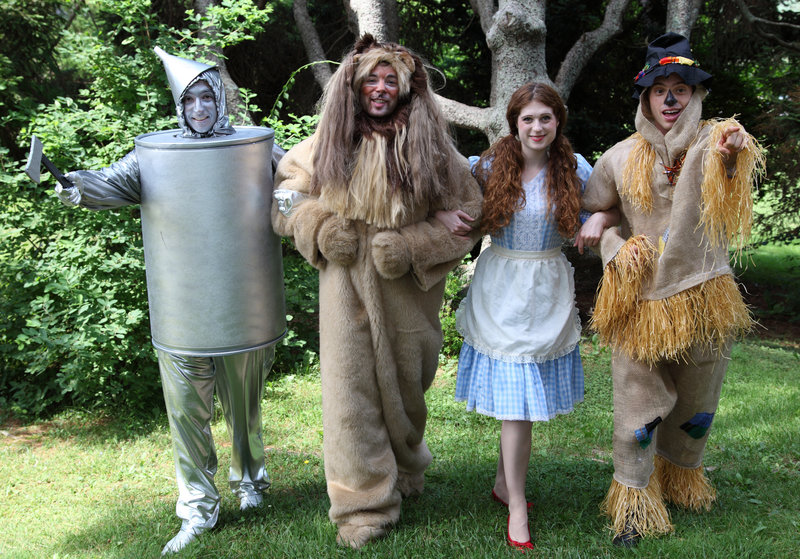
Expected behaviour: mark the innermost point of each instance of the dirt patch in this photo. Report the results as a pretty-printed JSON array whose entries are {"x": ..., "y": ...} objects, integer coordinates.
[{"x": 15, "y": 433}]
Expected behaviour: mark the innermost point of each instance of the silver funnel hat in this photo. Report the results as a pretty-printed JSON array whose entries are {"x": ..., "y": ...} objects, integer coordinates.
[{"x": 182, "y": 73}]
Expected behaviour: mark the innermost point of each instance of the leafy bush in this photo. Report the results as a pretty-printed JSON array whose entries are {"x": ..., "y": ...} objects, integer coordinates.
[
  {"x": 74, "y": 326},
  {"x": 454, "y": 291},
  {"x": 73, "y": 313},
  {"x": 299, "y": 350}
]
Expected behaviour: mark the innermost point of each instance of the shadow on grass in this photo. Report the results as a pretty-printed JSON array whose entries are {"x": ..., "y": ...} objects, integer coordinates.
[
  {"x": 294, "y": 515},
  {"x": 455, "y": 517}
]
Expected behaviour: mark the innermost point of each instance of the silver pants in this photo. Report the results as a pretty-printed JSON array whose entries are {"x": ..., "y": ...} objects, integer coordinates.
[{"x": 189, "y": 383}]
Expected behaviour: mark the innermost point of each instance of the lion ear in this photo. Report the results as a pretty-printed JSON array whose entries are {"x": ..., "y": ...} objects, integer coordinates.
[
  {"x": 407, "y": 60},
  {"x": 364, "y": 43}
]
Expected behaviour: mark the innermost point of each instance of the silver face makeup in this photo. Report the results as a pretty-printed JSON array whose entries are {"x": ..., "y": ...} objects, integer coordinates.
[{"x": 200, "y": 107}]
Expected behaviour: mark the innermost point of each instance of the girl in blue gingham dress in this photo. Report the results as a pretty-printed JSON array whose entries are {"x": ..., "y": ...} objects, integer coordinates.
[{"x": 520, "y": 361}]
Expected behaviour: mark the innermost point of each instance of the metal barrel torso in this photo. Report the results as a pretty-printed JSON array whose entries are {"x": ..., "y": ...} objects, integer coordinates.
[{"x": 214, "y": 268}]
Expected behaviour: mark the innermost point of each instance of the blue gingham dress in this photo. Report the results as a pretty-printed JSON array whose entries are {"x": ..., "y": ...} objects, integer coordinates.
[{"x": 520, "y": 359}]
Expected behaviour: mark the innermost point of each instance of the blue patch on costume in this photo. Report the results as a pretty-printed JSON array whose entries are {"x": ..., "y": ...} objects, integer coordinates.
[
  {"x": 698, "y": 426},
  {"x": 644, "y": 434}
]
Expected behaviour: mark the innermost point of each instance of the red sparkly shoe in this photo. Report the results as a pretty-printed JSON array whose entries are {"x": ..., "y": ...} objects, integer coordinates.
[{"x": 522, "y": 546}]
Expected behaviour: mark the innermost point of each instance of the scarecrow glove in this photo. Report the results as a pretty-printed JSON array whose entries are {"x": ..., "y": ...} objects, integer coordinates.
[
  {"x": 338, "y": 241},
  {"x": 391, "y": 254}
]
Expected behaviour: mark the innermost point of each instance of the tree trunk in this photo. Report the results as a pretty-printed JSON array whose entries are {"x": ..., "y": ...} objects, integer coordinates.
[
  {"x": 311, "y": 41},
  {"x": 584, "y": 48},
  {"x": 237, "y": 111},
  {"x": 515, "y": 33},
  {"x": 681, "y": 15},
  {"x": 378, "y": 17}
]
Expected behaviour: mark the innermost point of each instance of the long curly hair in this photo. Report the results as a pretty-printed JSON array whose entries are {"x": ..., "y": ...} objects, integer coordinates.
[
  {"x": 421, "y": 157},
  {"x": 499, "y": 170}
]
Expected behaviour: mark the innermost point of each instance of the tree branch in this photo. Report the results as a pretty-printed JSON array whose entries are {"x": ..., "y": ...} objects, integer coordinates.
[
  {"x": 378, "y": 17},
  {"x": 584, "y": 48},
  {"x": 485, "y": 10},
  {"x": 311, "y": 42},
  {"x": 465, "y": 116},
  {"x": 757, "y": 22}
]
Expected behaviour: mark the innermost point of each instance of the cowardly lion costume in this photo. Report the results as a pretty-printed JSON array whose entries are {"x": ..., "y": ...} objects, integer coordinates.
[
  {"x": 358, "y": 199},
  {"x": 668, "y": 304}
]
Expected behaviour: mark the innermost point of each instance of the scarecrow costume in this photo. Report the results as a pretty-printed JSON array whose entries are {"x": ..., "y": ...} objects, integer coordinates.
[
  {"x": 215, "y": 286},
  {"x": 668, "y": 304},
  {"x": 382, "y": 259}
]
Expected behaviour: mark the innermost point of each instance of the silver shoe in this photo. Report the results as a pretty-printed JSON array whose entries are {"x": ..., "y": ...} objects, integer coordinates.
[
  {"x": 183, "y": 538},
  {"x": 251, "y": 501}
]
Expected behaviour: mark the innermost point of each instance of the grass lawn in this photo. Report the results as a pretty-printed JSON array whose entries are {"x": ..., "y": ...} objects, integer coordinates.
[
  {"x": 80, "y": 487},
  {"x": 771, "y": 274}
]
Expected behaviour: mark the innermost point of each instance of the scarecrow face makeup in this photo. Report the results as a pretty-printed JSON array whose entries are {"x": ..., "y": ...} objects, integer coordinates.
[
  {"x": 200, "y": 107},
  {"x": 537, "y": 127},
  {"x": 379, "y": 91},
  {"x": 668, "y": 97}
]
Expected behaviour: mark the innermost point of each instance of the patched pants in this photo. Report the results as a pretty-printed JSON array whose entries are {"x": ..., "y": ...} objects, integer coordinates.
[
  {"x": 189, "y": 384},
  {"x": 665, "y": 409}
]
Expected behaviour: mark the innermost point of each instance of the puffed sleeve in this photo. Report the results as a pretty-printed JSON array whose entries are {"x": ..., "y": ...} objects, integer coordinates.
[{"x": 114, "y": 186}]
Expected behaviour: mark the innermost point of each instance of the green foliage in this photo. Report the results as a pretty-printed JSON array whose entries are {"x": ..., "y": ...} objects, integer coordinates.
[
  {"x": 225, "y": 24},
  {"x": 284, "y": 94},
  {"x": 454, "y": 291},
  {"x": 757, "y": 81},
  {"x": 447, "y": 34},
  {"x": 73, "y": 318},
  {"x": 74, "y": 326},
  {"x": 29, "y": 72},
  {"x": 293, "y": 129},
  {"x": 299, "y": 350}
]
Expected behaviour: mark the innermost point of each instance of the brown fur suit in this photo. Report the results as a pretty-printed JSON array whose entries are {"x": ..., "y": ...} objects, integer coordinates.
[{"x": 382, "y": 261}]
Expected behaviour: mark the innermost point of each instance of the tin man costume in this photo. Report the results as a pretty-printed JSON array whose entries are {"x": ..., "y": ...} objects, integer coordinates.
[
  {"x": 668, "y": 304},
  {"x": 214, "y": 280},
  {"x": 382, "y": 259}
]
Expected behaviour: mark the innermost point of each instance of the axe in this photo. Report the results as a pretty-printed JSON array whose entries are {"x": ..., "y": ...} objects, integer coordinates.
[{"x": 35, "y": 160}]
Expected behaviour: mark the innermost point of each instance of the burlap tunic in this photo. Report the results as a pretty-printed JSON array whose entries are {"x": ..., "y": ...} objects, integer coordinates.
[{"x": 669, "y": 320}]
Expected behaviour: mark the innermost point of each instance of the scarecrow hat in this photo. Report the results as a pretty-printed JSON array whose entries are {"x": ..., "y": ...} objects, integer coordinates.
[
  {"x": 180, "y": 72},
  {"x": 669, "y": 54}
]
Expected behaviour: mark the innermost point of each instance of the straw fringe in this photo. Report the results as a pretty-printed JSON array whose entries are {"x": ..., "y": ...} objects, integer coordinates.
[
  {"x": 665, "y": 329},
  {"x": 727, "y": 214},
  {"x": 637, "y": 176},
  {"x": 618, "y": 295},
  {"x": 686, "y": 487},
  {"x": 641, "y": 509}
]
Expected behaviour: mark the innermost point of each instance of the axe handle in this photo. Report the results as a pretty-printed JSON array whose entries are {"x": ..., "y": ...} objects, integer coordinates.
[{"x": 56, "y": 173}]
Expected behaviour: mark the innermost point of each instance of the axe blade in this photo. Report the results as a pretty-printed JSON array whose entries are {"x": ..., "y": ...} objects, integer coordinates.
[{"x": 34, "y": 165}]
